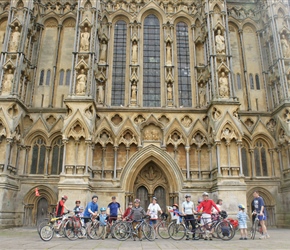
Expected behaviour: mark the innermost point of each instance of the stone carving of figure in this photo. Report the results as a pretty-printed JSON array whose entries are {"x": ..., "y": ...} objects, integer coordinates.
[
  {"x": 202, "y": 95},
  {"x": 134, "y": 92},
  {"x": 285, "y": 46},
  {"x": 220, "y": 43},
  {"x": 7, "y": 83},
  {"x": 15, "y": 37},
  {"x": 100, "y": 93},
  {"x": 81, "y": 82},
  {"x": 134, "y": 52},
  {"x": 169, "y": 92},
  {"x": 168, "y": 53},
  {"x": 223, "y": 85},
  {"x": 85, "y": 40},
  {"x": 103, "y": 53}
]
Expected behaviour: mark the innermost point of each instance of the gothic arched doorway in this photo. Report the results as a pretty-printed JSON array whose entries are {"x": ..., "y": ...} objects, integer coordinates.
[
  {"x": 151, "y": 181},
  {"x": 42, "y": 209}
]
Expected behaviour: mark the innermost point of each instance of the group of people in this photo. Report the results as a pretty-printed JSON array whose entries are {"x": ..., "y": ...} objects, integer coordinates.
[{"x": 135, "y": 212}]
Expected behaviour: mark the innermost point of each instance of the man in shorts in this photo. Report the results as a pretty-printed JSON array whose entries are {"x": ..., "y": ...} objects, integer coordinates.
[
  {"x": 260, "y": 210},
  {"x": 152, "y": 211},
  {"x": 206, "y": 206}
]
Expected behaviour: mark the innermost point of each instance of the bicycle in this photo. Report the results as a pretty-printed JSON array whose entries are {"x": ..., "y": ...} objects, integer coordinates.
[
  {"x": 48, "y": 228},
  {"x": 123, "y": 230},
  {"x": 162, "y": 227},
  {"x": 255, "y": 227},
  {"x": 94, "y": 229},
  {"x": 74, "y": 229}
]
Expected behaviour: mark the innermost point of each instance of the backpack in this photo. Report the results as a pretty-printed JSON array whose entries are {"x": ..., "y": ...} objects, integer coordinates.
[{"x": 225, "y": 230}]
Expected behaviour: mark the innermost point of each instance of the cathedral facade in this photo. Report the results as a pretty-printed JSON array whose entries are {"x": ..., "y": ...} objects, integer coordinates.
[{"x": 143, "y": 98}]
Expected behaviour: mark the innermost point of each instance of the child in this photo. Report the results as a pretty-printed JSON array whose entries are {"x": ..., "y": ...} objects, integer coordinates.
[
  {"x": 77, "y": 207},
  {"x": 137, "y": 213},
  {"x": 103, "y": 220},
  {"x": 242, "y": 218},
  {"x": 175, "y": 212}
]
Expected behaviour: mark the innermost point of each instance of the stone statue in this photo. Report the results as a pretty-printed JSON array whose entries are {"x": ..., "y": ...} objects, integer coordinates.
[
  {"x": 169, "y": 92},
  {"x": 202, "y": 95},
  {"x": 103, "y": 52},
  {"x": 168, "y": 53},
  {"x": 100, "y": 93},
  {"x": 134, "y": 92},
  {"x": 81, "y": 83},
  {"x": 223, "y": 85},
  {"x": 15, "y": 37},
  {"x": 85, "y": 40},
  {"x": 8, "y": 80},
  {"x": 220, "y": 43},
  {"x": 134, "y": 52},
  {"x": 285, "y": 46}
]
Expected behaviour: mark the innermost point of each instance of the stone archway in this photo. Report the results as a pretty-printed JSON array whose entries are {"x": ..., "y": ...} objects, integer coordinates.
[{"x": 270, "y": 204}]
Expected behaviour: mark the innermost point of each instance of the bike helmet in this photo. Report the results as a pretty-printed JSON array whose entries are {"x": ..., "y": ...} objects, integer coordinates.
[
  {"x": 176, "y": 205},
  {"x": 241, "y": 206},
  {"x": 64, "y": 197},
  {"x": 103, "y": 209},
  {"x": 136, "y": 201},
  {"x": 223, "y": 214},
  {"x": 154, "y": 198},
  {"x": 187, "y": 196}
]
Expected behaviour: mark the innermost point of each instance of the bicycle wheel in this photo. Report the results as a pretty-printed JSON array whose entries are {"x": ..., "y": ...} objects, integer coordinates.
[
  {"x": 225, "y": 230},
  {"x": 46, "y": 232},
  {"x": 177, "y": 231},
  {"x": 95, "y": 230},
  {"x": 254, "y": 229},
  {"x": 70, "y": 231},
  {"x": 148, "y": 231},
  {"x": 162, "y": 229},
  {"x": 122, "y": 231},
  {"x": 41, "y": 224}
]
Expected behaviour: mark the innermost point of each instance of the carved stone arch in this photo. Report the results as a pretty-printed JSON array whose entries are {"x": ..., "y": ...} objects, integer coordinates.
[
  {"x": 235, "y": 24},
  {"x": 175, "y": 137},
  {"x": 19, "y": 4},
  {"x": 152, "y": 153},
  {"x": 30, "y": 202},
  {"x": 184, "y": 19},
  {"x": 88, "y": 4},
  {"x": 50, "y": 21},
  {"x": 198, "y": 138},
  {"x": 53, "y": 137},
  {"x": 264, "y": 193},
  {"x": 264, "y": 138},
  {"x": 217, "y": 8},
  {"x": 154, "y": 10},
  {"x": 77, "y": 130},
  {"x": 4, "y": 128},
  {"x": 66, "y": 22},
  {"x": 280, "y": 9},
  {"x": 29, "y": 139},
  {"x": 251, "y": 24},
  {"x": 128, "y": 137},
  {"x": 228, "y": 133},
  {"x": 118, "y": 16},
  {"x": 104, "y": 137}
]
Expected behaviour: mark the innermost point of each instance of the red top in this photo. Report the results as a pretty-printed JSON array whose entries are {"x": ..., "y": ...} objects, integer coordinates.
[
  {"x": 207, "y": 206},
  {"x": 127, "y": 212},
  {"x": 60, "y": 208}
]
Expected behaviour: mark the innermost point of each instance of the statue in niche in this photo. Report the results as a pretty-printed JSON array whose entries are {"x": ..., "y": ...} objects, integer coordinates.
[
  {"x": 103, "y": 52},
  {"x": 223, "y": 85},
  {"x": 169, "y": 92},
  {"x": 8, "y": 80},
  {"x": 85, "y": 40},
  {"x": 220, "y": 43},
  {"x": 100, "y": 93},
  {"x": 202, "y": 95},
  {"x": 285, "y": 46},
  {"x": 134, "y": 52},
  {"x": 81, "y": 83},
  {"x": 134, "y": 92},
  {"x": 15, "y": 37},
  {"x": 168, "y": 53}
]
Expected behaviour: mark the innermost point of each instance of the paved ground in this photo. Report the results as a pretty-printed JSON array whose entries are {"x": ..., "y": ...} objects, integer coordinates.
[{"x": 27, "y": 238}]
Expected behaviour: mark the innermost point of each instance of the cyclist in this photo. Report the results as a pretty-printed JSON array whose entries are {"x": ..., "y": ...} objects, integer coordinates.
[
  {"x": 261, "y": 212},
  {"x": 206, "y": 206},
  {"x": 188, "y": 211},
  {"x": 91, "y": 209},
  {"x": 152, "y": 211},
  {"x": 61, "y": 206},
  {"x": 77, "y": 207},
  {"x": 112, "y": 209},
  {"x": 137, "y": 213}
]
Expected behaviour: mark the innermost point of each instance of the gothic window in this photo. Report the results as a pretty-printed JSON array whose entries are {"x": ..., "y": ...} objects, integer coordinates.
[
  {"x": 252, "y": 86},
  {"x": 239, "y": 85},
  {"x": 151, "y": 62},
  {"x": 57, "y": 156},
  {"x": 61, "y": 77},
  {"x": 245, "y": 162},
  {"x": 260, "y": 155},
  {"x": 183, "y": 60},
  {"x": 41, "y": 78},
  {"x": 257, "y": 82},
  {"x": 47, "y": 82},
  {"x": 119, "y": 64},
  {"x": 38, "y": 157},
  {"x": 67, "y": 78}
]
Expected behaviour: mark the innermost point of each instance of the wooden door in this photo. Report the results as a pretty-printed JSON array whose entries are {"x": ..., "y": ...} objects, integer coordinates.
[
  {"x": 42, "y": 208},
  {"x": 142, "y": 194},
  {"x": 160, "y": 194}
]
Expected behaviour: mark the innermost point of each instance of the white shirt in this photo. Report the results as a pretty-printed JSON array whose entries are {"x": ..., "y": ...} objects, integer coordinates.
[
  {"x": 188, "y": 207},
  {"x": 153, "y": 211}
]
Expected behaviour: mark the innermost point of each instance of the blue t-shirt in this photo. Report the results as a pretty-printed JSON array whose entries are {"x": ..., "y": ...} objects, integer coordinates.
[
  {"x": 258, "y": 203},
  {"x": 94, "y": 208},
  {"x": 102, "y": 219},
  {"x": 114, "y": 206}
]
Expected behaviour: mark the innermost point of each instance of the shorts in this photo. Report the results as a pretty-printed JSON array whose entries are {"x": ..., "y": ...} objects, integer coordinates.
[
  {"x": 205, "y": 219},
  {"x": 262, "y": 217},
  {"x": 152, "y": 222},
  {"x": 242, "y": 225}
]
